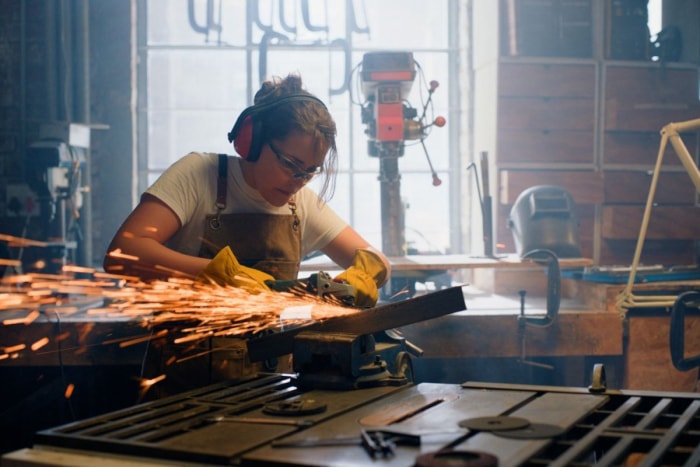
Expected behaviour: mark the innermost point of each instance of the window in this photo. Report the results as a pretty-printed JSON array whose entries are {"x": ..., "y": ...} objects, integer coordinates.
[{"x": 206, "y": 58}]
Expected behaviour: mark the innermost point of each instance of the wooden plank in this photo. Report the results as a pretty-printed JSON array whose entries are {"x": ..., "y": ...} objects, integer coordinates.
[
  {"x": 653, "y": 84},
  {"x": 649, "y": 364},
  {"x": 493, "y": 335},
  {"x": 632, "y": 187},
  {"x": 645, "y": 115},
  {"x": 666, "y": 252},
  {"x": 545, "y": 146},
  {"x": 666, "y": 222},
  {"x": 584, "y": 186},
  {"x": 640, "y": 148},
  {"x": 519, "y": 113},
  {"x": 601, "y": 296},
  {"x": 546, "y": 80}
]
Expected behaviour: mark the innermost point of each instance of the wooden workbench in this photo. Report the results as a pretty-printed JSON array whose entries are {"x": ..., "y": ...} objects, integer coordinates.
[{"x": 488, "y": 329}]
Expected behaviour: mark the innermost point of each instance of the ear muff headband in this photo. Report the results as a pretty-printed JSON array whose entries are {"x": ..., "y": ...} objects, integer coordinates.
[{"x": 246, "y": 134}]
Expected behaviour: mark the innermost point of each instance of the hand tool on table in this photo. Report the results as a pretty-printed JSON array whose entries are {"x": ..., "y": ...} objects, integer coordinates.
[
  {"x": 320, "y": 284},
  {"x": 375, "y": 442}
]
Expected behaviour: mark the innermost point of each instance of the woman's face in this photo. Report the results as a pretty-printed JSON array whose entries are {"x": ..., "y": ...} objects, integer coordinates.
[{"x": 284, "y": 167}]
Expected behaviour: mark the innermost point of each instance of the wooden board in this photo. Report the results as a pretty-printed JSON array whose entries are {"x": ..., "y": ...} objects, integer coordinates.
[
  {"x": 648, "y": 364},
  {"x": 488, "y": 335}
]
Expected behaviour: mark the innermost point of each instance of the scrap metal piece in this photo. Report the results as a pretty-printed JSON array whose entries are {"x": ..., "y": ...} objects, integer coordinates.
[
  {"x": 497, "y": 423},
  {"x": 260, "y": 421},
  {"x": 533, "y": 431},
  {"x": 368, "y": 321},
  {"x": 295, "y": 407}
]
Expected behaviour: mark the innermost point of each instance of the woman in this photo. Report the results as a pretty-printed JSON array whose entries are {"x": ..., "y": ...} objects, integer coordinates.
[{"x": 253, "y": 214}]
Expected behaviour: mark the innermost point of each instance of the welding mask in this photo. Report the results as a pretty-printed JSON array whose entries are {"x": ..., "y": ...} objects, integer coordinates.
[{"x": 543, "y": 217}]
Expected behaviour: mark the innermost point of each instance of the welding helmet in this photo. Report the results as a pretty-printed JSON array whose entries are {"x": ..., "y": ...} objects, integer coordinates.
[{"x": 543, "y": 217}]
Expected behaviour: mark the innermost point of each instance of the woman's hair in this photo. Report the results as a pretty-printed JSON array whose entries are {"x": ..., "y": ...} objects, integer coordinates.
[{"x": 306, "y": 116}]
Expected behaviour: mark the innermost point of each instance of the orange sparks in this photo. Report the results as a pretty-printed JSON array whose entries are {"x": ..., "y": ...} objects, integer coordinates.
[
  {"x": 15, "y": 348},
  {"x": 40, "y": 343},
  {"x": 147, "y": 383},
  {"x": 69, "y": 391},
  {"x": 19, "y": 241},
  {"x": 118, "y": 254},
  {"x": 78, "y": 269},
  {"x": 138, "y": 340},
  {"x": 184, "y": 310}
]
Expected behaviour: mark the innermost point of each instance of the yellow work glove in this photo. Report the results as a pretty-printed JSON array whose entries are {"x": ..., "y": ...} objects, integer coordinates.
[
  {"x": 367, "y": 270},
  {"x": 225, "y": 269}
]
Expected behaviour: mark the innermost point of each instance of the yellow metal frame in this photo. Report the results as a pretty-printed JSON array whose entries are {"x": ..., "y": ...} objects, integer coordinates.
[{"x": 671, "y": 132}]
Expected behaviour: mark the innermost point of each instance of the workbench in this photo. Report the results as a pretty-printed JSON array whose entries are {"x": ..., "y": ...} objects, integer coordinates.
[
  {"x": 472, "y": 423},
  {"x": 483, "y": 343},
  {"x": 589, "y": 327}
]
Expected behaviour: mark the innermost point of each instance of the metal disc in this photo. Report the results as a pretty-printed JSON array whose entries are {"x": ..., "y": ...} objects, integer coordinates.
[
  {"x": 498, "y": 423},
  {"x": 449, "y": 458},
  {"x": 295, "y": 407},
  {"x": 533, "y": 431}
]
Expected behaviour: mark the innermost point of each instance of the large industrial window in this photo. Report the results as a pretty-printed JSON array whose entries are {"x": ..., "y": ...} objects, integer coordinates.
[{"x": 206, "y": 58}]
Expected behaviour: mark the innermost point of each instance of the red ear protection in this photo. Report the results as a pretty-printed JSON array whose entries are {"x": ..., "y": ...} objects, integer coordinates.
[
  {"x": 243, "y": 138},
  {"x": 247, "y": 133}
]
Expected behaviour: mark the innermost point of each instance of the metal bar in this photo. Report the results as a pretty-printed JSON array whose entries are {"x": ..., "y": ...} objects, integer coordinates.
[
  {"x": 694, "y": 459},
  {"x": 584, "y": 444},
  {"x": 656, "y": 455},
  {"x": 643, "y": 429},
  {"x": 376, "y": 319}
]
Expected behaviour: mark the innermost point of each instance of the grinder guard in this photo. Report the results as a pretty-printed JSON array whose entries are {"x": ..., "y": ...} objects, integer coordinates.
[{"x": 543, "y": 217}]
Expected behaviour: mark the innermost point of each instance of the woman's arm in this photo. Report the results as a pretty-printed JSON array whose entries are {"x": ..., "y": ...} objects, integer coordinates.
[{"x": 138, "y": 246}]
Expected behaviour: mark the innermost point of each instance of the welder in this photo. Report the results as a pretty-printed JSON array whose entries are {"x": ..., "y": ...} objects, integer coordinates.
[{"x": 248, "y": 221}]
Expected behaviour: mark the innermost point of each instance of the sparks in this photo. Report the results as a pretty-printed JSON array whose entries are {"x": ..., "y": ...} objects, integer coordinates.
[{"x": 180, "y": 310}]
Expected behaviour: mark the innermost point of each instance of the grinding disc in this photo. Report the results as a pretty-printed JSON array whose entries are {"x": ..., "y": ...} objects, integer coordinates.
[
  {"x": 449, "y": 458},
  {"x": 533, "y": 431},
  {"x": 295, "y": 407},
  {"x": 498, "y": 423}
]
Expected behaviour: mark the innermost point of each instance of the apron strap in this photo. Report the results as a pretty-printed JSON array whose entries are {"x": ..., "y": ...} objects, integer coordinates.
[
  {"x": 221, "y": 188},
  {"x": 221, "y": 182}
]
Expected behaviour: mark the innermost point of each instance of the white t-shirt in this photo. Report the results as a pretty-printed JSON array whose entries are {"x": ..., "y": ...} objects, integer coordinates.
[{"x": 188, "y": 187}]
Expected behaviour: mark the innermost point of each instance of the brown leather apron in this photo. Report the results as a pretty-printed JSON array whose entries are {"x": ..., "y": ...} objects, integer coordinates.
[
  {"x": 270, "y": 243},
  {"x": 267, "y": 242}
]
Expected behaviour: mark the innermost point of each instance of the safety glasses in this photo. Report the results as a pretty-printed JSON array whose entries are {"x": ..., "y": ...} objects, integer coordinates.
[{"x": 294, "y": 169}]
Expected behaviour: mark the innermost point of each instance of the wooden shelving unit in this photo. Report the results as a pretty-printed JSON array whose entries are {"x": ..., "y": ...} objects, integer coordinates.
[{"x": 569, "y": 115}]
